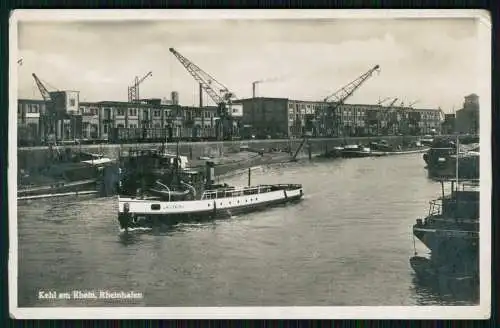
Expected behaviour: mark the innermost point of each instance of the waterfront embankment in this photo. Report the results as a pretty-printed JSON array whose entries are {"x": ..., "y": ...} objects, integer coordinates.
[{"x": 32, "y": 157}]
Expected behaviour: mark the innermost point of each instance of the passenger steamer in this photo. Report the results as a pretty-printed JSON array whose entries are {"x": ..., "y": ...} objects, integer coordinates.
[{"x": 156, "y": 191}]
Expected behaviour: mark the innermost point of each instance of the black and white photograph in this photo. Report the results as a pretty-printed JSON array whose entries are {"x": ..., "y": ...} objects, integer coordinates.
[{"x": 323, "y": 164}]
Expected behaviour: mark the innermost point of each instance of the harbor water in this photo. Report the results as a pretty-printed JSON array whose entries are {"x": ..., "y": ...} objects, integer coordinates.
[{"x": 347, "y": 243}]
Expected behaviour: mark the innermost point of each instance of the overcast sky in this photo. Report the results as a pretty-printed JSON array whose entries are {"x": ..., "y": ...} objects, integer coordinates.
[{"x": 434, "y": 61}]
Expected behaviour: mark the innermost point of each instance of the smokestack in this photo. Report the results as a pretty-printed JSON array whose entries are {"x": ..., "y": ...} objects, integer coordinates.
[
  {"x": 175, "y": 98},
  {"x": 201, "y": 95},
  {"x": 253, "y": 89}
]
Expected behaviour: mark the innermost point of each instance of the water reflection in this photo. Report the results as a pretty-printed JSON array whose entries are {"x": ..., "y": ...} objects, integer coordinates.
[
  {"x": 439, "y": 283},
  {"x": 445, "y": 291}
]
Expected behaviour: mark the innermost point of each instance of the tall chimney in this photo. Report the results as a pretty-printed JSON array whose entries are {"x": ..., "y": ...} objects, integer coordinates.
[
  {"x": 175, "y": 98},
  {"x": 201, "y": 95},
  {"x": 253, "y": 89}
]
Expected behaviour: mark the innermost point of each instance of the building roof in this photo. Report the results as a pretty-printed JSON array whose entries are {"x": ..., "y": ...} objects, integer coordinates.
[
  {"x": 263, "y": 98},
  {"x": 33, "y": 101},
  {"x": 369, "y": 106},
  {"x": 63, "y": 91}
]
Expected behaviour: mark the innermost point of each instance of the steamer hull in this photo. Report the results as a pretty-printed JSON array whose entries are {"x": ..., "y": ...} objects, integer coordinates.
[{"x": 146, "y": 213}]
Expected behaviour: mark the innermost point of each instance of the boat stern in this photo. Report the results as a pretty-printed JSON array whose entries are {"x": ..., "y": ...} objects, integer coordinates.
[{"x": 124, "y": 216}]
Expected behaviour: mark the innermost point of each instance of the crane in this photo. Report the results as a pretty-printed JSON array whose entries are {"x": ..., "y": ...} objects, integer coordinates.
[
  {"x": 49, "y": 103},
  {"x": 133, "y": 91},
  {"x": 346, "y": 91},
  {"x": 413, "y": 103},
  {"x": 380, "y": 102},
  {"x": 43, "y": 90},
  {"x": 340, "y": 96},
  {"x": 392, "y": 103},
  {"x": 390, "y": 110},
  {"x": 219, "y": 93}
]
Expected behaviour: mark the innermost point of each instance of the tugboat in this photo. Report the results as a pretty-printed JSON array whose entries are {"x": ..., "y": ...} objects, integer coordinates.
[{"x": 154, "y": 191}]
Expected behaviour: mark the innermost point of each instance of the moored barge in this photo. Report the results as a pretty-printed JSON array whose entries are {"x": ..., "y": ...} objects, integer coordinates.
[{"x": 451, "y": 233}]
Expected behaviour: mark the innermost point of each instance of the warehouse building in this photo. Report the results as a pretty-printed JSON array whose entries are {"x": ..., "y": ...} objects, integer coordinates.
[
  {"x": 467, "y": 118},
  {"x": 282, "y": 117},
  {"x": 40, "y": 122}
]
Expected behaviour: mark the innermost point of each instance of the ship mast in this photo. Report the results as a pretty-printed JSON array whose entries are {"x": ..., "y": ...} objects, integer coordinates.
[{"x": 456, "y": 162}]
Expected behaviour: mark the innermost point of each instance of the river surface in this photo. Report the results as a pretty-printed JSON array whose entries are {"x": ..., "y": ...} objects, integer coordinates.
[{"x": 347, "y": 243}]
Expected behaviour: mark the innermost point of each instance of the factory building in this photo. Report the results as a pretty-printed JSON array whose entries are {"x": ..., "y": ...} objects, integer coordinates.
[
  {"x": 28, "y": 120},
  {"x": 66, "y": 120},
  {"x": 467, "y": 118},
  {"x": 282, "y": 117},
  {"x": 448, "y": 126}
]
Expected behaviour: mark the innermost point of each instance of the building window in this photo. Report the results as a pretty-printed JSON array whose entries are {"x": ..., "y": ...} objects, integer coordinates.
[
  {"x": 120, "y": 112},
  {"x": 156, "y": 113},
  {"x": 72, "y": 102},
  {"x": 132, "y": 112},
  {"x": 120, "y": 126}
]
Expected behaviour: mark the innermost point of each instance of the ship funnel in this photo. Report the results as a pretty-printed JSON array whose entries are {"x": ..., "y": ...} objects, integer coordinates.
[{"x": 210, "y": 173}]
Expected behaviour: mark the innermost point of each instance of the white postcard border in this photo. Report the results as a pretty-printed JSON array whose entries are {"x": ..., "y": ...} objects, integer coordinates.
[{"x": 482, "y": 311}]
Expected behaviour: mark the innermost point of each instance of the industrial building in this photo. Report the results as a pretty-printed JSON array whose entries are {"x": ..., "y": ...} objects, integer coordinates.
[
  {"x": 448, "y": 126},
  {"x": 40, "y": 122},
  {"x": 282, "y": 117},
  {"x": 467, "y": 118},
  {"x": 260, "y": 117}
]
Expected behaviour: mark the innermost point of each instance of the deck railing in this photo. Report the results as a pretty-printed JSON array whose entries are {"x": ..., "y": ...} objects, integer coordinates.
[
  {"x": 435, "y": 207},
  {"x": 240, "y": 191}
]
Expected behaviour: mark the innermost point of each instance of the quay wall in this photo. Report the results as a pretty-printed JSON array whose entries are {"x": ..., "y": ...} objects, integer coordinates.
[{"x": 30, "y": 158}]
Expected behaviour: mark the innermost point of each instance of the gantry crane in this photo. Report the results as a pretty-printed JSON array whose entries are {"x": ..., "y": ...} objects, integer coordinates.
[
  {"x": 390, "y": 112},
  {"x": 133, "y": 91},
  {"x": 338, "y": 98},
  {"x": 219, "y": 93}
]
